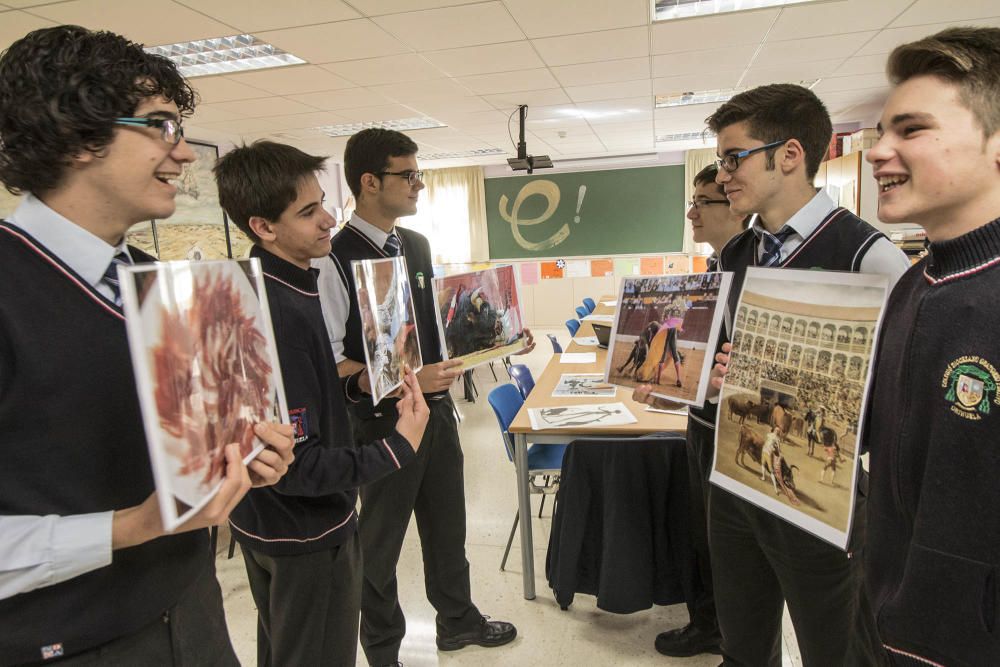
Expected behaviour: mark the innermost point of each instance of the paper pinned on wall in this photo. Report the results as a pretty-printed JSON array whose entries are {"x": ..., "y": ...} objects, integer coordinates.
[
  {"x": 651, "y": 266},
  {"x": 529, "y": 273},
  {"x": 601, "y": 267},
  {"x": 677, "y": 264},
  {"x": 551, "y": 269},
  {"x": 577, "y": 268},
  {"x": 626, "y": 267},
  {"x": 699, "y": 264}
]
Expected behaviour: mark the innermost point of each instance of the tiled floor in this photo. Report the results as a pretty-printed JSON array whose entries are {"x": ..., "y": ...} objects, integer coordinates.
[{"x": 583, "y": 636}]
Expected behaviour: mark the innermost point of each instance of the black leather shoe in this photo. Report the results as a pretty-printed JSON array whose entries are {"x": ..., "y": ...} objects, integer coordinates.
[
  {"x": 688, "y": 641},
  {"x": 488, "y": 633}
]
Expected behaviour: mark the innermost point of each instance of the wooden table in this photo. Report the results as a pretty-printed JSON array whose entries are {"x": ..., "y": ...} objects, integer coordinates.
[{"x": 541, "y": 396}]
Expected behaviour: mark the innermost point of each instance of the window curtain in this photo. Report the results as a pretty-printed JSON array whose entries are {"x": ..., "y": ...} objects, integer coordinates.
[
  {"x": 452, "y": 214},
  {"x": 694, "y": 161}
]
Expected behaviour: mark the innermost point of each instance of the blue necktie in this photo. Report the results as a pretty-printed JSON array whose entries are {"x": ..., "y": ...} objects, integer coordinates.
[
  {"x": 110, "y": 277},
  {"x": 772, "y": 244},
  {"x": 392, "y": 246}
]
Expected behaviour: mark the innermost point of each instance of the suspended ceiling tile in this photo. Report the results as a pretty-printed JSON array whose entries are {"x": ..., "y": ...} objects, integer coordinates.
[
  {"x": 504, "y": 82},
  {"x": 594, "y": 46},
  {"x": 222, "y": 88},
  {"x": 611, "y": 71},
  {"x": 333, "y": 42},
  {"x": 486, "y": 59},
  {"x": 348, "y": 98},
  {"x": 293, "y": 80},
  {"x": 722, "y": 31},
  {"x": 386, "y": 69},
  {"x": 253, "y": 15},
  {"x": 453, "y": 27},
  {"x": 774, "y": 53},
  {"x": 565, "y": 17},
  {"x": 610, "y": 91}
]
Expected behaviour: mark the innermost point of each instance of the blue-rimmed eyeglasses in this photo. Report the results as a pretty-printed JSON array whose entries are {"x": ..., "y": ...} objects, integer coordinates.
[
  {"x": 411, "y": 176},
  {"x": 170, "y": 129},
  {"x": 731, "y": 162},
  {"x": 701, "y": 203}
]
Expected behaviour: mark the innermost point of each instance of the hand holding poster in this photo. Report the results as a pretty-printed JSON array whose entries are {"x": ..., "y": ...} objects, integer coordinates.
[
  {"x": 788, "y": 428},
  {"x": 665, "y": 332},
  {"x": 388, "y": 323},
  {"x": 206, "y": 369},
  {"x": 479, "y": 315}
]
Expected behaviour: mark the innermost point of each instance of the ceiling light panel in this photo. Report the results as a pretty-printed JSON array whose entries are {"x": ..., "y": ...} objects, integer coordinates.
[
  {"x": 719, "y": 95},
  {"x": 665, "y": 10},
  {"x": 400, "y": 124},
  {"x": 222, "y": 55},
  {"x": 478, "y": 152}
]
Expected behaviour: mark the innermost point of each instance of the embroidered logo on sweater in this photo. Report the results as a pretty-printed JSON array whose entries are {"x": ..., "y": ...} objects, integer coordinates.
[
  {"x": 971, "y": 384},
  {"x": 300, "y": 424}
]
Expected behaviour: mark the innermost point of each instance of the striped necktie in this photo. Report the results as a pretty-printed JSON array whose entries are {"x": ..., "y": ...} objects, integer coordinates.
[
  {"x": 110, "y": 277},
  {"x": 772, "y": 244},
  {"x": 392, "y": 246}
]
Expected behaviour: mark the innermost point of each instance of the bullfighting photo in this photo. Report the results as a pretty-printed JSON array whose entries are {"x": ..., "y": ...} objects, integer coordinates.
[
  {"x": 387, "y": 322},
  {"x": 479, "y": 315},
  {"x": 789, "y": 411},
  {"x": 206, "y": 369},
  {"x": 665, "y": 332}
]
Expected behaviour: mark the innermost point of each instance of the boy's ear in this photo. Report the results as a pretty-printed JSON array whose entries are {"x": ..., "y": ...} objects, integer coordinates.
[
  {"x": 793, "y": 156},
  {"x": 262, "y": 227},
  {"x": 369, "y": 183}
]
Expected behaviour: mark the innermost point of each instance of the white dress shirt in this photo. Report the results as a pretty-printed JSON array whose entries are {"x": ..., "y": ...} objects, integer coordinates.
[
  {"x": 333, "y": 296},
  {"x": 38, "y": 551},
  {"x": 883, "y": 257}
]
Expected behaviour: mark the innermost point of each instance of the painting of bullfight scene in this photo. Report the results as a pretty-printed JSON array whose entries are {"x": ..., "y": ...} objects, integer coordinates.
[
  {"x": 665, "y": 332},
  {"x": 387, "y": 322},
  {"x": 788, "y": 428},
  {"x": 479, "y": 315}
]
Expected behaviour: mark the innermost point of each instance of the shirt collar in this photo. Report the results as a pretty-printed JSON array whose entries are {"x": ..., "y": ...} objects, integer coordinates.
[
  {"x": 806, "y": 219},
  {"x": 83, "y": 252},
  {"x": 376, "y": 235},
  {"x": 284, "y": 271}
]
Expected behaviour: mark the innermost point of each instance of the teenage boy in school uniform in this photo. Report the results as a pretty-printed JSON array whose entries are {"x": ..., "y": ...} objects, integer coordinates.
[
  {"x": 299, "y": 537},
  {"x": 771, "y": 141},
  {"x": 90, "y": 133},
  {"x": 933, "y": 548},
  {"x": 381, "y": 170},
  {"x": 712, "y": 222}
]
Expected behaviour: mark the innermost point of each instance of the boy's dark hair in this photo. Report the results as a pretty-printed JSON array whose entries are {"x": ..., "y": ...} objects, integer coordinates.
[
  {"x": 61, "y": 89},
  {"x": 261, "y": 180},
  {"x": 967, "y": 57},
  {"x": 778, "y": 112},
  {"x": 707, "y": 175},
  {"x": 368, "y": 152}
]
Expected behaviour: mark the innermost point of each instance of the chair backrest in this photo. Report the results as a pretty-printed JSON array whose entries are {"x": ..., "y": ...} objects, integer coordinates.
[
  {"x": 556, "y": 347},
  {"x": 573, "y": 326},
  {"x": 506, "y": 401},
  {"x": 589, "y": 304},
  {"x": 581, "y": 312},
  {"x": 521, "y": 375}
]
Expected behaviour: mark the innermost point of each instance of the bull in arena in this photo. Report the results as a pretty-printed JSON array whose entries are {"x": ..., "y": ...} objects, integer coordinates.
[
  {"x": 750, "y": 443},
  {"x": 782, "y": 418},
  {"x": 740, "y": 408},
  {"x": 473, "y": 324},
  {"x": 762, "y": 412}
]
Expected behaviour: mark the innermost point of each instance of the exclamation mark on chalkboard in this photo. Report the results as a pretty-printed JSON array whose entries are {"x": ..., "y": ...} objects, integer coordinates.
[{"x": 579, "y": 202}]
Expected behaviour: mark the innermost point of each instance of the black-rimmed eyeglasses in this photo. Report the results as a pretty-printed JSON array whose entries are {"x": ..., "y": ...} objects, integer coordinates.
[
  {"x": 170, "y": 129},
  {"x": 731, "y": 162},
  {"x": 411, "y": 176},
  {"x": 701, "y": 203}
]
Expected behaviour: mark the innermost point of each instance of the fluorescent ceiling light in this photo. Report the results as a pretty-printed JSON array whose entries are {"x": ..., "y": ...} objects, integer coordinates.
[
  {"x": 587, "y": 114},
  {"x": 400, "y": 124},
  {"x": 220, "y": 55},
  {"x": 477, "y": 152},
  {"x": 665, "y": 10},
  {"x": 686, "y": 136},
  {"x": 708, "y": 96}
]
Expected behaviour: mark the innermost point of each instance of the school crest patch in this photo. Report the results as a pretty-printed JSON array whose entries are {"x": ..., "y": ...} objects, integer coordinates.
[{"x": 971, "y": 384}]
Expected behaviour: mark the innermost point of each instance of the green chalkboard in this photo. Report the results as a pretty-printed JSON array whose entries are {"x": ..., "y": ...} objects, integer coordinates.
[{"x": 615, "y": 211}]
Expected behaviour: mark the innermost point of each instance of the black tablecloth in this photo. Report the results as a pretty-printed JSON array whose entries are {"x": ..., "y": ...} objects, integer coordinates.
[{"x": 620, "y": 529}]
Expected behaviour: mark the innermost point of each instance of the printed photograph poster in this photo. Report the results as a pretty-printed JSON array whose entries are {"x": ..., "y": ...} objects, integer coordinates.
[
  {"x": 665, "y": 333},
  {"x": 206, "y": 369},
  {"x": 388, "y": 324},
  {"x": 583, "y": 384},
  {"x": 479, "y": 315},
  {"x": 787, "y": 434}
]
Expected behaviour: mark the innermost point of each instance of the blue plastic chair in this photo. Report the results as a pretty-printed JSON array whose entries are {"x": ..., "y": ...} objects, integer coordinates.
[
  {"x": 521, "y": 375},
  {"x": 573, "y": 326},
  {"x": 546, "y": 460},
  {"x": 581, "y": 312},
  {"x": 589, "y": 304},
  {"x": 556, "y": 347}
]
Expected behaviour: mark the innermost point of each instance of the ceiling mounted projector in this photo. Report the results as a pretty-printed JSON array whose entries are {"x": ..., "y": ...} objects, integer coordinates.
[{"x": 523, "y": 161}]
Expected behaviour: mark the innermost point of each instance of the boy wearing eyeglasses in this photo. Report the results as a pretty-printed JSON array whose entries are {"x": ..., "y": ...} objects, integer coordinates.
[
  {"x": 933, "y": 549},
  {"x": 714, "y": 223},
  {"x": 381, "y": 170},
  {"x": 90, "y": 135},
  {"x": 771, "y": 141}
]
